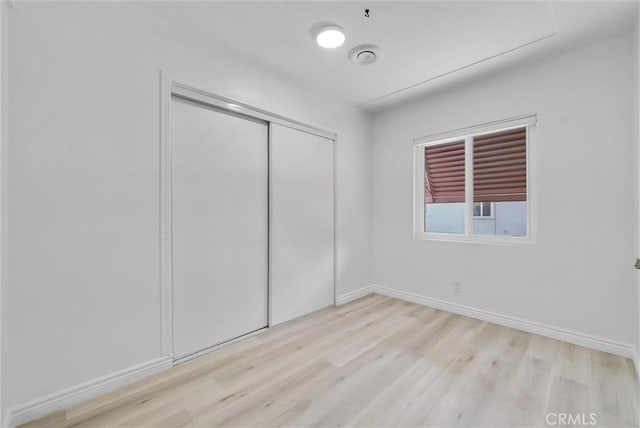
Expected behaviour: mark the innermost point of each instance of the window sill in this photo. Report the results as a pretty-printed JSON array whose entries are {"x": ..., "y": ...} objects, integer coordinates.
[{"x": 514, "y": 241}]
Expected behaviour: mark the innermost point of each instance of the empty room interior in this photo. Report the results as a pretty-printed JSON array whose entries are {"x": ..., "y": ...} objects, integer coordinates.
[{"x": 319, "y": 213}]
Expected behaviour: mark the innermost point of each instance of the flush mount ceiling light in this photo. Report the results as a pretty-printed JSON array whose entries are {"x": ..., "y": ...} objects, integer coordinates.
[{"x": 330, "y": 36}]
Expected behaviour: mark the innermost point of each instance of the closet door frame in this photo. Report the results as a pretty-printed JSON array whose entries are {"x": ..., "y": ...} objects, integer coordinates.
[{"x": 168, "y": 88}]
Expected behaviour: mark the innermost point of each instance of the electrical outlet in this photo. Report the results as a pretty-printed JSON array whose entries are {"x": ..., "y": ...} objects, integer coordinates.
[{"x": 457, "y": 287}]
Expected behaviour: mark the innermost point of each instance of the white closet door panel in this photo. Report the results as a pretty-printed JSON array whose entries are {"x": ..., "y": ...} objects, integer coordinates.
[
  {"x": 220, "y": 226},
  {"x": 302, "y": 229}
]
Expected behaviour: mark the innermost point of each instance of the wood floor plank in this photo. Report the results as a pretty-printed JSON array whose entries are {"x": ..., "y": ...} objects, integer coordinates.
[
  {"x": 229, "y": 409},
  {"x": 57, "y": 419},
  {"x": 568, "y": 397},
  {"x": 574, "y": 363},
  {"x": 612, "y": 390},
  {"x": 358, "y": 383},
  {"x": 375, "y": 362},
  {"x": 494, "y": 369},
  {"x": 397, "y": 400},
  {"x": 522, "y": 400},
  {"x": 145, "y": 408},
  {"x": 543, "y": 348}
]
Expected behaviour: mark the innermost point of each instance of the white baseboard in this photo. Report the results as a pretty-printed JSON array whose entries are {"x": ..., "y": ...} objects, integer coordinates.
[
  {"x": 354, "y": 295},
  {"x": 63, "y": 399},
  {"x": 580, "y": 339}
]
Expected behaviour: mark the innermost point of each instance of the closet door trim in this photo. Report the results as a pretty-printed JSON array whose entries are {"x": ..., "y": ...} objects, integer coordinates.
[
  {"x": 169, "y": 88},
  {"x": 197, "y": 95}
]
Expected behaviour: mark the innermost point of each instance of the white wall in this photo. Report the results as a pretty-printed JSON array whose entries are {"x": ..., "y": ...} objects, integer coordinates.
[
  {"x": 84, "y": 292},
  {"x": 636, "y": 113},
  {"x": 3, "y": 204},
  {"x": 578, "y": 276}
]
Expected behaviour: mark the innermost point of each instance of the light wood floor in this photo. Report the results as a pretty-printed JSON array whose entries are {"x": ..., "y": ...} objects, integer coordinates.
[{"x": 376, "y": 362}]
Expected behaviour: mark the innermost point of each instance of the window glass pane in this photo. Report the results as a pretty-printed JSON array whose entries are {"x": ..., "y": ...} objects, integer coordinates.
[
  {"x": 500, "y": 182},
  {"x": 486, "y": 209},
  {"x": 444, "y": 218},
  {"x": 509, "y": 218},
  {"x": 444, "y": 187},
  {"x": 477, "y": 209}
]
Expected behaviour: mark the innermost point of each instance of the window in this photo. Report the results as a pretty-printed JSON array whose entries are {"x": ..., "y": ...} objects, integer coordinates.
[
  {"x": 476, "y": 186},
  {"x": 482, "y": 209}
]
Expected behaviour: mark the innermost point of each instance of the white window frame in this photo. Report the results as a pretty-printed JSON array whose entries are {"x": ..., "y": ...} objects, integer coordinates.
[
  {"x": 467, "y": 134},
  {"x": 492, "y": 210}
]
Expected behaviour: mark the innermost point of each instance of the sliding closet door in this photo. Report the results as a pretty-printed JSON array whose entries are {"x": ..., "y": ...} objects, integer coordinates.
[
  {"x": 220, "y": 226},
  {"x": 302, "y": 230}
]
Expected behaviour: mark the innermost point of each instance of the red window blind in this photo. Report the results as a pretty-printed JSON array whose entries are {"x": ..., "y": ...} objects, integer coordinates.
[
  {"x": 444, "y": 173},
  {"x": 500, "y": 166}
]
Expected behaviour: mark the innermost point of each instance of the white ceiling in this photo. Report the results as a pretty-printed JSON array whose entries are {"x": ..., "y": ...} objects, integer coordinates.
[{"x": 425, "y": 44}]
